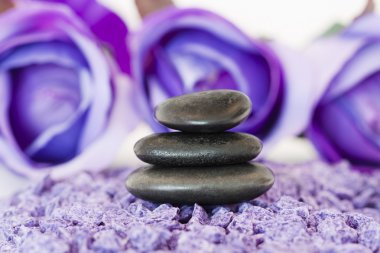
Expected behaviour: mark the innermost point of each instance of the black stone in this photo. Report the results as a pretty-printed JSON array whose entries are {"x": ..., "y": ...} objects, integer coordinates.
[
  {"x": 203, "y": 185},
  {"x": 207, "y": 111},
  {"x": 192, "y": 149}
]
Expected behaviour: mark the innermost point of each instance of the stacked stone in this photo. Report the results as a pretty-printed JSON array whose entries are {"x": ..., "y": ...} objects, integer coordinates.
[{"x": 202, "y": 164}]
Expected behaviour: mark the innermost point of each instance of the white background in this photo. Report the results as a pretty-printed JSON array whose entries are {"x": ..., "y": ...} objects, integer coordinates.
[{"x": 294, "y": 23}]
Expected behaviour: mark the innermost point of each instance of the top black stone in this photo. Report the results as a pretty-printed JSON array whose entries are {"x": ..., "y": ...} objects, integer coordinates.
[{"x": 206, "y": 111}]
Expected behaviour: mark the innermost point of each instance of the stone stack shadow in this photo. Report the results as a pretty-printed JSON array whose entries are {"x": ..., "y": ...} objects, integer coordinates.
[{"x": 201, "y": 164}]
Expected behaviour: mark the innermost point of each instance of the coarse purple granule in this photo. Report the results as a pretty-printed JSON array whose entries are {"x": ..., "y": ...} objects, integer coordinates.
[{"x": 311, "y": 208}]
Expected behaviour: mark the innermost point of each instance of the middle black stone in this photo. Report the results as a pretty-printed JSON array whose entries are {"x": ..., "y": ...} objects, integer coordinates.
[{"x": 192, "y": 149}]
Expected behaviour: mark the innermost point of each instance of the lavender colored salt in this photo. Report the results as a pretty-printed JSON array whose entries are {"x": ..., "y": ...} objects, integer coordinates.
[{"x": 311, "y": 208}]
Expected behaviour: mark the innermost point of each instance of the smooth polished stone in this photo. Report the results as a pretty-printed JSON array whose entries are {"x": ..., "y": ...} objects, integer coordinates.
[
  {"x": 197, "y": 149},
  {"x": 206, "y": 111},
  {"x": 203, "y": 185}
]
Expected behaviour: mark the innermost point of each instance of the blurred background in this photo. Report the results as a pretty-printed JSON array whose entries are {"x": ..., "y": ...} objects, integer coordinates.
[{"x": 293, "y": 22}]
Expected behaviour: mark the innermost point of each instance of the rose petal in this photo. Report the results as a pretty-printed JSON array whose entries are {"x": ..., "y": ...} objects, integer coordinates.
[
  {"x": 102, "y": 97},
  {"x": 360, "y": 106},
  {"x": 5, "y": 90},
  {"x": 335, "y": 145},
  {"x": 363, "y": 64},
  {"x": 44, "y": 89},
  {"x": 299, "y": 99},
  {"x": 40, "y": 19},
  {"x": 58, "y": 52},
  {"x": 338, "y": 51},
  {"x": 58, "y": 147},
  {"x": 363, "y": 106},
  {"x": 107, "y": 26},
  {"x": 46, "y": 137},
  {"x": 365, "y": 26}
]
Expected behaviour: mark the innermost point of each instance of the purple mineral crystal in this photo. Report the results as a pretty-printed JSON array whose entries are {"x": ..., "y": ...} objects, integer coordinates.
[{"x": 313, "y": 207}]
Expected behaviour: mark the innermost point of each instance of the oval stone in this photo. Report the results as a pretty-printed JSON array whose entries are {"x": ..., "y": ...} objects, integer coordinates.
[
  {"x": 206, "y": 111},
  {"x": 202, "y": 149},
  {"x": 203, "y": 185}
]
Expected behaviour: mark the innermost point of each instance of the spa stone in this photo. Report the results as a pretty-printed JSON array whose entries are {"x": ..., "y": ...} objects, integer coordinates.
[
  {"x": 203, "y": 185},
  {"x": 206, "y": 111},
  {"x": 197, "y": 149}
]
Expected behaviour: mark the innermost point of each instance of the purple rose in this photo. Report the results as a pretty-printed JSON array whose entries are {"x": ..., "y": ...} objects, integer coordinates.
[
  {"x": 185, "y": 50},
  {"x": 346, "y": 120},
  {"x": 63, "y": 99}
]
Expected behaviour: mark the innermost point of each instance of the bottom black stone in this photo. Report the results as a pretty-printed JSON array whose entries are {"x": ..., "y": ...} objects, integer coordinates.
[{"x": 203, "y": 185}]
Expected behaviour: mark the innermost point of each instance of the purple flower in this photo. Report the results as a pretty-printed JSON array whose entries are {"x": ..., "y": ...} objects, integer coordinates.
[
  {"x": 346, "y": 121},
  {"x": 185, "y": 50},
  {"x": 63, "y": 99}
]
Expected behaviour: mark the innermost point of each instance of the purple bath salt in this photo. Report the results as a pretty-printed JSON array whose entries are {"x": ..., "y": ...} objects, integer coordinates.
[{"x": 312, "y": 207}]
